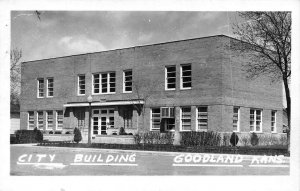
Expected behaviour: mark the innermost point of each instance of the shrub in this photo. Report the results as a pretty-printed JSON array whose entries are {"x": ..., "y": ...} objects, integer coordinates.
[
  {"x": 122, "y": 131},
  {"x": 254, "y": 139},
  {"x": 129, "y": 134},
  {"x": 25, "y": 136},
  {"x": 38, "y": 135},
  {"x": 167, "y": 138},
  {"x": 225, "y": 139},
  {"x": 50, "y": 132},
  {"x": 283, "y": 140},
  {"x": 68, "y": 132},
  {"x": 200, "y": 138},
  {"x": 234, "y": 139},
  {"x": 77, "y": 135},
  {"x": 57, "y": 132},
  {"x": 137, "y": 138},
  {"x": 274, "y": 140},
  {"x": 245, "y": 140}
]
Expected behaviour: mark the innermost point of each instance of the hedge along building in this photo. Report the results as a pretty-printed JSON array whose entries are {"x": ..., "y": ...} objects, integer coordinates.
[{"x": 188, "y": 85}]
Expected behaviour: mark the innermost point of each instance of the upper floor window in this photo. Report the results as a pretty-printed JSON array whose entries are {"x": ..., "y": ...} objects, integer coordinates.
[
  {"x": 202, "y": 118},
  {"x": 81, "y": 84},
  {"x": 170, "y": 77},
  {"x": 235, "y": 119},
  {"x": 186, "y": 118},
  {"x": 41, "y": 84},
  {"x": 186, "y": 76},
  {"x": 255, "y": 120},
  {"x": 50, "y": 87},
  {"x": 104, "y": 83},
  {"x": 127, "y": 79},
  {"x": 273, "y": 121},
  {"x": 30, "y": 120}
]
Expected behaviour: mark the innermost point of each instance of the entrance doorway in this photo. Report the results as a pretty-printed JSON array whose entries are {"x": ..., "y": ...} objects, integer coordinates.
[{"x": 102, "y": 119}]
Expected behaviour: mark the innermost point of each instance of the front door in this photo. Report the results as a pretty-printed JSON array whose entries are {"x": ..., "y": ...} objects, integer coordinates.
[{"x": 102, "y": 120}]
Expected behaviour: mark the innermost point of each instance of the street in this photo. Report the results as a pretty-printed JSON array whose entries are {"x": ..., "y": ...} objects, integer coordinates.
[{"x": 38, "y": 160}]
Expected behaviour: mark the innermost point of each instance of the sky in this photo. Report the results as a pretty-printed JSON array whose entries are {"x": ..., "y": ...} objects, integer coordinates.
[{"x": 63, "y": 33}]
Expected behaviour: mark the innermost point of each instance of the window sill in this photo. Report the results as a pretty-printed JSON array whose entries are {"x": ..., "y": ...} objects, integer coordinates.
[
  {"x": 127, "y": 92},
  {"x": 80, "y": 94},
  {"x": 170, "y": 89},
  {"x": 185, "y": 88},
  {"x": 104, "y": 93}
]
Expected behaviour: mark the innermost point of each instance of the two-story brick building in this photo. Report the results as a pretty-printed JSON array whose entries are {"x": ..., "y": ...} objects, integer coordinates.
[{"x": 188, "y": 85}]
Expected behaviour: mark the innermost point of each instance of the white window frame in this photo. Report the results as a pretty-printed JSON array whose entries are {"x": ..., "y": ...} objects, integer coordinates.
[
  {"x": 108, "y": 83},
  {"x": 166, "y": 78},
  {"x": 275, "y": 121},
  {"x": 93, "y": 83},
  {"x": 180, "y": 117},
  {"x": 261, "y": 117},
  {"x": 238, "y": 120},
  {"x": 181, "y": 77},
  {"x": 151, "y": 118},
  {"x": 197, "y": 118},
  {"x": 78, "y": 85},
  {"x": 169, "y": 112},
  {"x": 38, "y": 88},
  {"x": 124, "y": 82},
  {"x": 37, "y": 119},
  {"x": 47, "y": 125},
  {"x": 28, "y": 120},
  {"x": 48, "y": 87},
  {"x": 56, "y": 120}
]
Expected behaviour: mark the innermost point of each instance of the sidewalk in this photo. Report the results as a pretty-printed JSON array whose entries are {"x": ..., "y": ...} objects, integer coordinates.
[{"x": 162, "y": 153}]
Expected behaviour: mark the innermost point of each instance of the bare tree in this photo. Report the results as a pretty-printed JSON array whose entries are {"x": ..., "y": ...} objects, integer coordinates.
[
  {"x": 266, "y": 38},
  {"x": 15, "y": 75}
]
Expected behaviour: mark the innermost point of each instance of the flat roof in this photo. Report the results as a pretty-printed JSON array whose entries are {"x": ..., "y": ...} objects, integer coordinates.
[{"x": 169, "y": 42}]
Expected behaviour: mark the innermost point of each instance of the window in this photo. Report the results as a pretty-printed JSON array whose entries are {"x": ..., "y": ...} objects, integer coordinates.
[
  {"x": 186, "y": 119},
  {"x": 202, "y": 118},
  {"x": 40, "y": 117},
  {"x": 40, "y": 93},
  {"x": 167, "y": 112},
  {"x": 49, "y": 125},
  {"x": 186, "y": 76},
  {"x": 235, "y": 119},
  {"x": 59, "y": 120},
  {"x": 30, "y": 120},
  {"x": 128, "y": 113},
  {"x": 127, "y": 81},
  {"x": 50, "y": 87},
  {"x": 255, "y": 120},
  {"x": 80, "y": 115},
  {"x": 81, "y": 85},
  {"x": 170, "y": 77},
  {"x": 273, "y": 121},
  {"x": 107, "y": 82},
  {"x": 155, "y": 119}
]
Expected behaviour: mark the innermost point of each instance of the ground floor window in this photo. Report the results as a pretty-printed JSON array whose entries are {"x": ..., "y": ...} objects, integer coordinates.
[
  {"x": 155, "y": 119},
  {"x": 40, "y": 117},
  {"x": 186, "y": 118},
  {"x": 59, "y": 120},
  {"x": 235, "y": 119},
  {"x": 128, "y": 113},
  {"x": 202, "y": 118},
  {"x": 273, "y": 121},
  {"x": 30, "y": 120},
  {"x": 255, "y": 120},
  {"x": 49, "y": 125}
]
